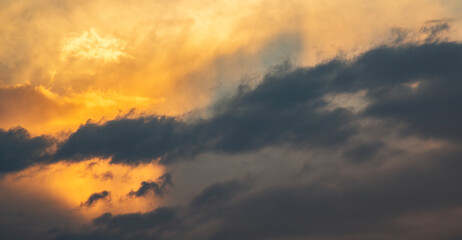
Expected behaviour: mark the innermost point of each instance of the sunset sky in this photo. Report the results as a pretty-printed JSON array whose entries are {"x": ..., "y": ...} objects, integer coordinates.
[{"x": 256, "y": 119}]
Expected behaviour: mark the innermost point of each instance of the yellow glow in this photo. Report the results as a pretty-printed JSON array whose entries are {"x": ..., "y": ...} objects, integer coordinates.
[
  {"x": 96, "y": 59},
  {"x": 89, "y": 45},
  {"x": 64, "y": 62},
  {"x": 72, "y": 183}
]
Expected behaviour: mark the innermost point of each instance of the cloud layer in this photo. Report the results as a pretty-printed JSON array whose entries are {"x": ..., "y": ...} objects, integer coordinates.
[
  {"x": 230, "y": 120},
  {"x": 406, "y": 122}
]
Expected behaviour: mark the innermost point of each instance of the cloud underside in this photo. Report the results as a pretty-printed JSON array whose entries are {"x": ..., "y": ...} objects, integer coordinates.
[{"x": 409, "y": 93}]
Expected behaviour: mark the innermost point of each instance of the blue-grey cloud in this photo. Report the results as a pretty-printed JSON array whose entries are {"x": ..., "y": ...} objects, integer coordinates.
[
  {"x": 287, "y": 108},
  {"x": 411, "y": 90},
  {"x": 218, "y": 193},
  {"x": 156, "y": 187},
  {"x": 19, "y": 150}
]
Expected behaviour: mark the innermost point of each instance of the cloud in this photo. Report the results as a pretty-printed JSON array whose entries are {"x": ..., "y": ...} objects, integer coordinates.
[
  {"x": 410, "y": 101},
  {"x": 218, "y": 192},
  {"x": 434, "y": 29},
  {"x": 137, "y": 221},
  {"x": 158, "y": 187},
  {"x": 289, "y": 108},
  {"x": 30, "y": 107},
  {"x": 404, "y": 135},
  {"x": 334, "y": 208},
  {"x": 416, "y": 86},
  {"x": 18, "y": 150},
  {"x": 362, "y": 142},
  {"x": 104, "y": 195},
  {"x": 90, "y": 45}
]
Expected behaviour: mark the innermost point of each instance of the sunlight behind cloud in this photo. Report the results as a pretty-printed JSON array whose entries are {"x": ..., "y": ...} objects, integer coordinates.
[
  {"x": 72, "y": 184},
  {"x": 90, "y": 45}
]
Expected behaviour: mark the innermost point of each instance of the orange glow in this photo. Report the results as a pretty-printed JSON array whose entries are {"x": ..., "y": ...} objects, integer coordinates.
[
  {"x": 99, "y": 59},
  {"x": 65, "y": 62},
  {"x": 72, "y": 183}
]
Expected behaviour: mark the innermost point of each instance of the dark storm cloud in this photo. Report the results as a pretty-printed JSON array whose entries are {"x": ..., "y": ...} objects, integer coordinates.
[
  {"x": 19, "y": 150},
  {"x": 104, "y": 195},
  {"x": 414, "y": 90},
  {"x": 286, "y": 108},
  {"x": 127, "y": 139},
  {"x": 362, "y": 207},
  {"x": 157, "y": 187},
  {"x": 432, "y": 107},
  {"x": 350, "y": 209}
]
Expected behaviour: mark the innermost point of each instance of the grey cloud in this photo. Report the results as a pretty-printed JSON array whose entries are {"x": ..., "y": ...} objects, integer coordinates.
[
  {"x": 363, "y": 151},
  {"x": 369, "y": 207},
  {"x": 286, "y": 108},
  {"x": 125, "y": 226},
  {"x": 416, "y": 88},
  {"x": 158, "y": 187},
  {"x": 413, "y": 90},
  {"x": 137, "y": 221},
  {"x": 340, "y": 208},
  {"x": 104, "y": 195},
  {"x": 218, "y": 193},
  {"x": 434, "y": 29},
  {"x": 19, "y": 150},
  {"x": 126, "y": 139}
]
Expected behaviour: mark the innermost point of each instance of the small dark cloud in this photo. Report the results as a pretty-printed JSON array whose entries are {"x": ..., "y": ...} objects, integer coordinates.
[
  {"x": 104, "y": 195},
  {"x": 157, "y": 187}
]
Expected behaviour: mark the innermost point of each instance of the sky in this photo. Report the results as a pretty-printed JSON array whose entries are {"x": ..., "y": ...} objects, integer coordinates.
[{"x": 256, "y": 119}]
